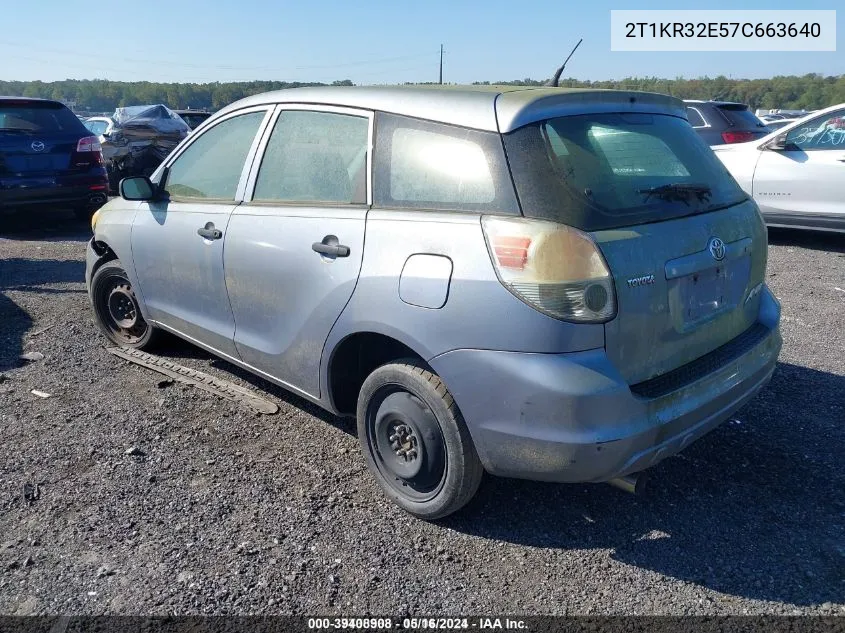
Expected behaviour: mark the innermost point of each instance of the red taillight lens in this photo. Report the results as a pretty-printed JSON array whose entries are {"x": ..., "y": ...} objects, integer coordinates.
[
  {"x": 511, "y": 252},
  {"x": 738, "y": 137},
  {"x": 88, "y": 152},
  {"x": 89, "y": 144}
]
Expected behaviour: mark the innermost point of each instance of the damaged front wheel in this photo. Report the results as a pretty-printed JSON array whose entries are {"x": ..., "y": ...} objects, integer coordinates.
[{"x": 116, "y": 308}]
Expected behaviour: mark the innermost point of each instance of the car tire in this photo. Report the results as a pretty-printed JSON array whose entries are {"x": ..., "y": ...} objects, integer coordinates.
[
  {"x": 415, "y": 441},
  {"x": 116, "y": 309}
]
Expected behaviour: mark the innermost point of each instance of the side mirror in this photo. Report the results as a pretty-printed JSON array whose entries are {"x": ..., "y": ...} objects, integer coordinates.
[
  {"x": 137, "y": 188},
  {"x": 778, "y": 144}
]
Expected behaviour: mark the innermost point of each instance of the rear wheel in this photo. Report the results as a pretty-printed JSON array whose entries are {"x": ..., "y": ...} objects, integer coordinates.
[
  {"x": 116, "y": 308},
  {"x": 415, "y": 440}
]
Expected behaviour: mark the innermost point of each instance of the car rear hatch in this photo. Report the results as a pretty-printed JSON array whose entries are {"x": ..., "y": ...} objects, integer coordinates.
[
  {"x": 684, "y": 288},
  {"x": 685, "y": 246},
  {"x": 744, "y": 126},
  {"x": 38, "y": 140}
]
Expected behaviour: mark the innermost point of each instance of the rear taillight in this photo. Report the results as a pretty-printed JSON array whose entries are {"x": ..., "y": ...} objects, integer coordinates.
[
  {"x": 553, "y": 268},
  {"x": 738, "y": 137},
  {"x": 88, "y": 152},
  {"x": 89, "y": 144}
]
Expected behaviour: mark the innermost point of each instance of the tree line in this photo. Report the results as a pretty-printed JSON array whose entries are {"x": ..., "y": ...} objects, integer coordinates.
[{"x": 808, "y": 92}]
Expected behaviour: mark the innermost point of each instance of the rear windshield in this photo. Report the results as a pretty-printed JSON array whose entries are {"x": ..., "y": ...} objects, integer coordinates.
[
  {"x": 604, "y": 171},
  {"x": 740, "y": 116},
  {"x": 38, "y": 118}
]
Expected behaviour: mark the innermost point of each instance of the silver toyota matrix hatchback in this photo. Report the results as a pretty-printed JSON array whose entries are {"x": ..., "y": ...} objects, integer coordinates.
[{"x": 552, "y": 284}]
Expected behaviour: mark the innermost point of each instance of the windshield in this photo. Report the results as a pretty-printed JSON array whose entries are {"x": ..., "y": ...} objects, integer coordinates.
[
  {"x": 606, "y": 171},
  {"x": 35, "y": 117}
]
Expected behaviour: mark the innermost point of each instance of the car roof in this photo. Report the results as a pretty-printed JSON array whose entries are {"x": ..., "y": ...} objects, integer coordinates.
[
  {"x": 30, "y": 99},
  {"x": 492, "y": 108}
]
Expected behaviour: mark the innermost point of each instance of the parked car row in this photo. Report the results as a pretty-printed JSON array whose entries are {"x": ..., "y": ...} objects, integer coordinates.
[
  {"x": 796, "y": 174},
  {"x": 724, "y": 122},
  {"x": 793, "y": 168}
]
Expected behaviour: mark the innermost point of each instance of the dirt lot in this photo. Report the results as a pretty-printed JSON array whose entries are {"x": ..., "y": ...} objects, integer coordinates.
[{"x": 231, "y": 512}]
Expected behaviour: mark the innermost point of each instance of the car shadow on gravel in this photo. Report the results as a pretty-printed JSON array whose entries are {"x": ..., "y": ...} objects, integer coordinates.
[
  {"x": 753, "y": 509},
  {"x": 28, "y": 275},
  {"x": 14, "y": 323},
  {"x": 814, "y": 240},
  {"x": 53, "y": 225}
]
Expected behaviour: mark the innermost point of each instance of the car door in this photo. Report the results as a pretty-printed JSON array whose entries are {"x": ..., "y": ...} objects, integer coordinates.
[
  {"x": 177, "y": 241},
  {"x": 294, "y": 248},
  {"x": 807, "y": 178}
]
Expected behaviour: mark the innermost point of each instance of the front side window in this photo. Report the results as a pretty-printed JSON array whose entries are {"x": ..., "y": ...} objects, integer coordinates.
[
  {"x": 210, "y": 168},
  {"x": 822, "y": 133},
  {"x": 315, "y": 157},
  {"x": 604, "y": 171},
  {"x": 421, "y": 164}
]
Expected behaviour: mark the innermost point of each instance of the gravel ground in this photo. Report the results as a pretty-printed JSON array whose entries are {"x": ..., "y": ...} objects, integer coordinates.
[{"x": 229, "y": 512}]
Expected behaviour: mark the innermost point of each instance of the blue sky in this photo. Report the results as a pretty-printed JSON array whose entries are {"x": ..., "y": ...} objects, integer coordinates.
[{"x": 365, "y": 41}]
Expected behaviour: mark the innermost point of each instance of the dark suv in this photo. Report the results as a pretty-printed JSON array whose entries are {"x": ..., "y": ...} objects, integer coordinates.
[
  {"x": 48, "y": 157},
  {"x": 723, "y": 122}
]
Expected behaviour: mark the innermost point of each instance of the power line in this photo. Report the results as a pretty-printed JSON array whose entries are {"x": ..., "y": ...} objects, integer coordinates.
[
  {"x": 210, "y": 67},
  {"x": 205, "y": 80}
]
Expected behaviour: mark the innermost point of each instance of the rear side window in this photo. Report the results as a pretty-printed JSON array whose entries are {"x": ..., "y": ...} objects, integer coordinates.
[
  {"x": 606, "y": 171},
  {"x": 695, "y": 118},
  {"x": 211, "y": 166},
  {"x": 317, "y": 157},
  {"x": 426, "y": 165},
  {"x": 32, "y": 117}
]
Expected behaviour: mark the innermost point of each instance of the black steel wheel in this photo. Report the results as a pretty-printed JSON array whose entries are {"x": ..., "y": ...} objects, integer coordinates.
[
  {"x": 415, "y": 440},
  {"x": 116, "y": 308}
]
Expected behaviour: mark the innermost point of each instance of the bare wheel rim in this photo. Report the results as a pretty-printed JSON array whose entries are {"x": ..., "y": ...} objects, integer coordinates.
[
  {"x": 118, "y": 309},
  {"x": 406, "y": 442}
]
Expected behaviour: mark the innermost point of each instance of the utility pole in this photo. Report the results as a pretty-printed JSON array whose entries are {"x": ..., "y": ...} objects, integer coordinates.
[{"x": 441, "y": 64}]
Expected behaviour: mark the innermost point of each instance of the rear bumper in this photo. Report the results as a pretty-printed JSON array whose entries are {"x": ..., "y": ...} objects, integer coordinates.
[
  {"x": 83, "y": 190},
  {"x": 572, "y": 418}
]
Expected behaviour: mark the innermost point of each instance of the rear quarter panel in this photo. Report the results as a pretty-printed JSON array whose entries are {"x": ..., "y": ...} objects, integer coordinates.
[{"x": 479, "y": 313}]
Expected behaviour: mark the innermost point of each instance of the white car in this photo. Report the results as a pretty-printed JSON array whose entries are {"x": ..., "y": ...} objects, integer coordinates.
[
  {"x": 779, "y": 123},
  {"x": 797, "y": 173},
  {"x": 99, "y": 125}
]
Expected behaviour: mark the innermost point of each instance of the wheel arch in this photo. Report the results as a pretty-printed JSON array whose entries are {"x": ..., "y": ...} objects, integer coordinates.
[{"x": 354, "y": 357}]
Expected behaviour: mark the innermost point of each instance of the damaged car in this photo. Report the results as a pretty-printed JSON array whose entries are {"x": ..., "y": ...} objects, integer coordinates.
[
  {"x": 140, "y": 138},
  {"x": 550, "y": 284}
]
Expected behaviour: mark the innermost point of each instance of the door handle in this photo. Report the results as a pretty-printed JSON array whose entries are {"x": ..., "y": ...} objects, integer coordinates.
[
  {"x": 209, "y": 232},
  {"x": 330, "y": 246}
]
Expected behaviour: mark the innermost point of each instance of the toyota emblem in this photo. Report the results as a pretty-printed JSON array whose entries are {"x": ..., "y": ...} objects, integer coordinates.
[
  {"x": 37, "y": 146},
  {"x": 717, "y": 248}
]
